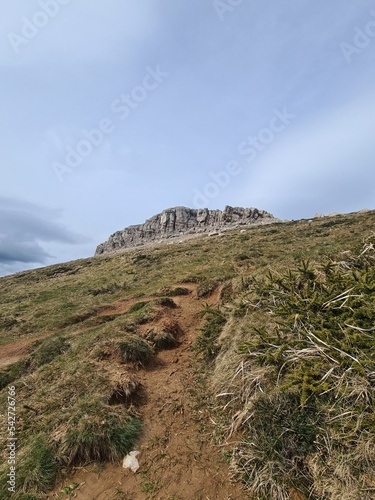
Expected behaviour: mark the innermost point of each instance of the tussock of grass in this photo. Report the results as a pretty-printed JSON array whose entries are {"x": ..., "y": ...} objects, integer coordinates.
[
  {"x": 109, "y": 289},
  {"x": 76, "y": 404},
  {"x": 7, "y": 322},
  {"x": 61, "y": 269},
  {"x": 124, "y": 391},
  {"x": 43, "y": 352},
  {"x": 161, "y": 339},
  {"x": 97, "y": 432},
  {"x": 144, "y": 259},
  {"x": 138, "y": 306},
  {"x": 126, "y": 348},
  {"x": 164, "y": 340},
  {"x": 343, "y": 472},
  {"x": 142, "y": 312},
  {"x": 134, "y": 349},
  {"x": 104, "y": 350},
  {"x": 166, "y": 302},
  {"x": 39, "y": 467},
  {"x": 206, "y": 286}
]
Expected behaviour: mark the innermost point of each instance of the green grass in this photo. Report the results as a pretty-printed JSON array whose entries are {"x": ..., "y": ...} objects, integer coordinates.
[
  {"x": 279, "y": 436},
  {"x": 206, "y": 342},
  {"x": 65, "y": 295},
  {"x": 166, "y": 302},
  {"x": 161, "y": 339},
  {"x": 174, "y": 292},
  {"x": 135, "y": 350},
  {"x": 13, "y": 372},
  {"x": 36, "y": 470},
  {"x": 307, "y": 378},
  {"x": 47, "y": 350},
  {"x": 65, "y": 382},
  {"x": 97, "y": 432}
]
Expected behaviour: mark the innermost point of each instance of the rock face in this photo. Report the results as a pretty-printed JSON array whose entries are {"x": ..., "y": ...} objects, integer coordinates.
[{"x": 183, "y": 221}]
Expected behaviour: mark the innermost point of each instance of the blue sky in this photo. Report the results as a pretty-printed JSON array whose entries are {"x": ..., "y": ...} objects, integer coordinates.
[{"x": 112, "y": 111}]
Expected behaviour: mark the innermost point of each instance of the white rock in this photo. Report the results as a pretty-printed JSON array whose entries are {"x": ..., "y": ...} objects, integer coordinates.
[{"x": 131, "y": 462}]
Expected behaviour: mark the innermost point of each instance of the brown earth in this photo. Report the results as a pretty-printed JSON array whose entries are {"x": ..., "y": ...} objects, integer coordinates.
[
  {"x": 177, "y": 459},
  {"x": 11, "y": 353}
]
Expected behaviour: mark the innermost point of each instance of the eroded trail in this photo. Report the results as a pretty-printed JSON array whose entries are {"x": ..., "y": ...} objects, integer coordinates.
[{"x": 177, "y": 460}]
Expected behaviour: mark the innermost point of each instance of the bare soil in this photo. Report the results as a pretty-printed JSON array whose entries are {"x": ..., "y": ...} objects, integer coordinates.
[
  {"x": 177, "y": 459},
  {"x": 11, "y": 353}
]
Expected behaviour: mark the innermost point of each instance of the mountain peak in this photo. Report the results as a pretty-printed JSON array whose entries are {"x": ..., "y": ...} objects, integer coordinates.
[{"x": 183, "y": 221}]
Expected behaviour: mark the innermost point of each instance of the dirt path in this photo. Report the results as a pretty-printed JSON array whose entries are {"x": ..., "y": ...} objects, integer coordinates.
[
  {"x": 177, "y": 460},
  {"x": 13, "y": 352}
]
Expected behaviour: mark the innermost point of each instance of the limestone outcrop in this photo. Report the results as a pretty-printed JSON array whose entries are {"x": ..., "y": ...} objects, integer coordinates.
[{"x": 183, "y": 221}]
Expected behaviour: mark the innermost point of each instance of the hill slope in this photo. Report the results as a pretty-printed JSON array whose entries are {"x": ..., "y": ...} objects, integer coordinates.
[{"x": 103, "y": 352}]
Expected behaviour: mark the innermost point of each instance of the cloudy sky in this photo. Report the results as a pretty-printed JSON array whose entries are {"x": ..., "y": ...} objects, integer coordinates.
[{"x": 112, "y": 111}]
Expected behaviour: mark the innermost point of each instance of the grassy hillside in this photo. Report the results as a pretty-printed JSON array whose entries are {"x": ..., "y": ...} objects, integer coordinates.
[{"x": 288, "y": 352}]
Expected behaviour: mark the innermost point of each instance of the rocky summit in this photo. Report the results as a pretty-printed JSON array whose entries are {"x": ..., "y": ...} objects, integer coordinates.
[{"x": 183, "y": 221}]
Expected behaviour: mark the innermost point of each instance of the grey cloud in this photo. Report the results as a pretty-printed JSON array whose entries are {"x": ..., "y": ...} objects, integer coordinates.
[
  {"x": 13, "y": 250},
  {"x": 24, "y": 227}
]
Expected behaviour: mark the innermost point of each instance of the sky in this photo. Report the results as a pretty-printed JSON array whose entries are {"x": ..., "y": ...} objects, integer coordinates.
[{"x": 113, "y": 111}]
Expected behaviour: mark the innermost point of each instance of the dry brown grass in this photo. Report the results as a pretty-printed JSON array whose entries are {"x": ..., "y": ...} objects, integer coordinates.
[
  {"x": 68, "y": 376},
  {"x": 297, "y": 379}
]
